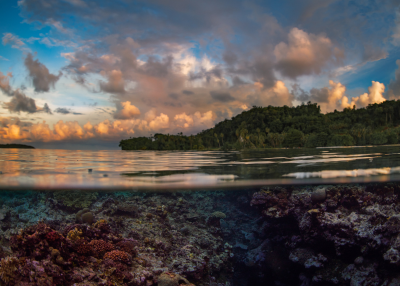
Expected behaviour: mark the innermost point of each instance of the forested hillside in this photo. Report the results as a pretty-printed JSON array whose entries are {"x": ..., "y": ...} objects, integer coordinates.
[{"x": 300, "y": 126}]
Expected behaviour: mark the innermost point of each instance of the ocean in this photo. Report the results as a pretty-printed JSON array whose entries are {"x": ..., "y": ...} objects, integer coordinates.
[{"x": 325, "y": 216}]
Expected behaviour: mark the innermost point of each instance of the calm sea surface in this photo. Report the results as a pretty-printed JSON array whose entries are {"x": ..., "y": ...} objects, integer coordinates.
[{"x": 66, "y": 169}]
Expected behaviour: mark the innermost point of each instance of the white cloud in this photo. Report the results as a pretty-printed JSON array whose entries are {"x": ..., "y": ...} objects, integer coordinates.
[{"x": 15, "y": 42}]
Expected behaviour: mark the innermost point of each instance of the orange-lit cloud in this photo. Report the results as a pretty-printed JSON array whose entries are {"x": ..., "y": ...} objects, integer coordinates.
[
  {"x": 374, "y": 95},
  {"x": 197, "y": 119},
  {"x": 125, "y": 110},
  {"x": 334, "y": 97},
  {"x": 14, "y": 130}
]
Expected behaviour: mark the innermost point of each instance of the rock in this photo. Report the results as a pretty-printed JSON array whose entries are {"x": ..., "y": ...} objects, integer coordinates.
[
  {"x": 318, "y": 195},
  {"x": 392, "y": 255},
  {"x": 185, "y": 230},
  {"x": 359, "y": 260}
]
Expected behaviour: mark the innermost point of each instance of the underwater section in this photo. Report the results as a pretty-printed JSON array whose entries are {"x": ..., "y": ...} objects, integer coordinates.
[{"x": 277, "y": 235}]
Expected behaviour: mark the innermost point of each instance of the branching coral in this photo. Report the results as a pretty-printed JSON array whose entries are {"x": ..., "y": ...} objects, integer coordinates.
[
  {"x": 8, "y": 266},
  {"x": 74, "y": 234},
  {"x": 118, "y": 255},
  {"x": 83, "y": 247},
  {"x": 100, "y": 247}
]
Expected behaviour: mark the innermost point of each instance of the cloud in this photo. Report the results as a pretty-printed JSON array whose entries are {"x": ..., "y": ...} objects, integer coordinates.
[
  {"x": 394, "y": 85},
  {"x": 187, "y": 92},
  {"x": 63, "y": 110},
  {"x": 372, "y": 54},
  {"x": 5, "y": 83},
  {"x": 329, "y": 98},
  {"x": 53, "y": 42},
  {"x": 15, "y": 42},
  {"x": 195, "y": 120},
  {"x": 374, "y": 95},
  {"x": 334, "y": 97},
  {"x": 20, "y": 102},
  {"x": 41, "y": 77},
  {"x": 257, "y": 94},
  {"x": 396, "y": 30},
  {"x": 3, "y": 58},
  {"x": 222, "y": 96},
  {"x": 125, "y": 110},
  {"x": 115, "y": 84},
  {"x": 305, "y": 54},
  {"x": 45, "y": 109},
  {"x": 159, "y": 122}
]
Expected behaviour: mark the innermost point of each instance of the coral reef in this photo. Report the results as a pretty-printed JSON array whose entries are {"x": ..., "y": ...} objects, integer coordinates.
[
  {"x": 135, "y": 239},
  {"x": 292, "y": 235},
  {"x": 340, "y": 234}
]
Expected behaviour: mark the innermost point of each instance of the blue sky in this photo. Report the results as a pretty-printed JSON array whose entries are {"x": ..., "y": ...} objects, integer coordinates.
[{"x": 94, "y": 72}]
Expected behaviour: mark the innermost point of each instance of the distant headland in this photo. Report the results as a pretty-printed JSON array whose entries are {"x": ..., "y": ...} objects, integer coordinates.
[
  {"x": 288, "y": 127},
  {"x": 19, "y": 146}
]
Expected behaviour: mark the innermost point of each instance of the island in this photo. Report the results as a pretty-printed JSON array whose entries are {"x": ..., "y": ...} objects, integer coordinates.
[
  {"x": 287, "y": 127},
  {"x": 19, "y": 146}
]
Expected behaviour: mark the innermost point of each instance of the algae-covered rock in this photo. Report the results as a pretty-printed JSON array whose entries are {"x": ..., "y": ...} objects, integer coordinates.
[
  {"x": 74, "y": 200},
  {"x": 318, "y": 195},
  {"x": 172, "y": 279},
  {"x": 127, "y": 207},
  {"x": 218, "y": 214}
]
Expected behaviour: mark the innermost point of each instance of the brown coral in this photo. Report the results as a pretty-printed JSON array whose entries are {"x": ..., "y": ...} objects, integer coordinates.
[
  {"x": 128, "y": 246},
  {"x": 118, "y": 255}
]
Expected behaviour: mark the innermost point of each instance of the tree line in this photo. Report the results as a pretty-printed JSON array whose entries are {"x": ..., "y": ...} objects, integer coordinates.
[{"x": 276, "y": 127}]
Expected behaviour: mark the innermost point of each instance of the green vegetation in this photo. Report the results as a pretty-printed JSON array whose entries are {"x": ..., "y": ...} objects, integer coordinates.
[
  {"x": 20, "y": 146},
  {"x": 273, "y": 127}
]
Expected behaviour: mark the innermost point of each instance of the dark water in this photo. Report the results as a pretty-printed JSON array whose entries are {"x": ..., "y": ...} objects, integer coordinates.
[{"x": 278, "y": 217}]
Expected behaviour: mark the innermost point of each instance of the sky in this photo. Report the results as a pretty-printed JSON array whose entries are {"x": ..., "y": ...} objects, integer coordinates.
[{"x": 78, "y": 74}]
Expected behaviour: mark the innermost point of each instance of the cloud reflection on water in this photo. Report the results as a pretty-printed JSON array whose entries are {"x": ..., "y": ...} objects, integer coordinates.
[{"x": 42, "y": 168}]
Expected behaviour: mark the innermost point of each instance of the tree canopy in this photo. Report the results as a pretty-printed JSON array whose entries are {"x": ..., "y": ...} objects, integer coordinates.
[{"x": 299, "y": 126}]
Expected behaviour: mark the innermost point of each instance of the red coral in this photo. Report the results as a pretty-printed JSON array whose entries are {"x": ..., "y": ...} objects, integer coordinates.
[
  {"x": 118, "y": 255},
  {"x": 53, "y": 236},
  {"x": 99, "y": 247}
]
